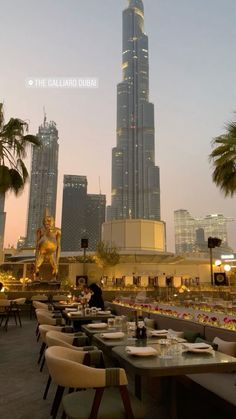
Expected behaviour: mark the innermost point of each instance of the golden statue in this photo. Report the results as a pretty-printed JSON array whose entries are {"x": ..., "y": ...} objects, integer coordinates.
[{"x": 48, "y": 244}]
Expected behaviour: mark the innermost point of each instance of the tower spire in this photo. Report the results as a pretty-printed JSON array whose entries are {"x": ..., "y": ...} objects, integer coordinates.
[
  {"x": 44, "y": 116},
  {"x": 136, "y": 3}
]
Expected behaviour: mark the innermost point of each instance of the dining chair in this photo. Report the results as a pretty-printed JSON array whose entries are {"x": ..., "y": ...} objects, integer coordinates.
[
  {"x": 103, "y": 385},
  {"x": 43, "y": 329},
  {"x": 62, "y": 377}
]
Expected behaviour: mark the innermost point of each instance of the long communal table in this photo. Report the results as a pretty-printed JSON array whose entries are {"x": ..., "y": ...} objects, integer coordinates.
[
  {"x": 78, "y": 320},
  {"x": 179, "y": 365},
  {"x": 164, "y": 370}
]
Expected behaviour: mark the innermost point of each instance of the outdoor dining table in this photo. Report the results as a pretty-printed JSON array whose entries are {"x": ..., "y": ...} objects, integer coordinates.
[
  {"x": 79, "y": 319},
  {"x": 178, "y": 365}
]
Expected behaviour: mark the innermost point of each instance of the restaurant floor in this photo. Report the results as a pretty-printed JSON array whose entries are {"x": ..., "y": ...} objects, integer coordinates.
[{"x": 22, "y": 385}]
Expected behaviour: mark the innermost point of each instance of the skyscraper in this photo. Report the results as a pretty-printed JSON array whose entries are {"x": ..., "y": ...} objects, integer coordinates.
[
  {"x": 191, "y": 233},
  {"x": 82, "y": 214},
  {"x": 135, "y": 178},
  {"x": 43, "y": 182}
]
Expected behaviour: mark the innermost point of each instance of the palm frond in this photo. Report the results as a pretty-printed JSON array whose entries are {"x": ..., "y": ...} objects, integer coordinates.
[{"x": 223, "y": 159}]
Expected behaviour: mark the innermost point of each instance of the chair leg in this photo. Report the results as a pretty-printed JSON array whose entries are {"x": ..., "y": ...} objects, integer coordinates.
[
  {"x": 6, "y": 322},
  {"x": 47, "y": 387},
  {"x": 96, "y": 403},
  {"x": 57, "y": 401},
  {"x": 42, "y": 364},
  {"x": 126, "y": 402},
  {"x": 19, "y": 317},
  {"x": 41, "y": 352},
  {"x": 63, "y": 416}
]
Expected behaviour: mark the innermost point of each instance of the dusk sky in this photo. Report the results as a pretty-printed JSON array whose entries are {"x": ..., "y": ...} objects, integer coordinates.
[{"x": 192, "y": 84}]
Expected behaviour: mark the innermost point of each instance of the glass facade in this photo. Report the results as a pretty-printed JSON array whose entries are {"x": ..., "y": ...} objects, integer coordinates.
[
  {"x": 135, "y": 178},
  {"x": 43, "y": 182},
  {"x": 191, "y": 234},
  {"x": 82, "y": 214}
]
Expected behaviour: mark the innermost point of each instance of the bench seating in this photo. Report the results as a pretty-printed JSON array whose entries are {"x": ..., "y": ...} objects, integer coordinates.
[{"x": 223, "y": 384}]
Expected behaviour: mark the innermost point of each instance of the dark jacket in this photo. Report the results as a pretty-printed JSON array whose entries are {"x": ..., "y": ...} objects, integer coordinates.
[{"x": 96, "y": 299}]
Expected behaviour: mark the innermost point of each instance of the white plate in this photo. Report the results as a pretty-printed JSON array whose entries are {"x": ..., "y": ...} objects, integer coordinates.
[
  {"x": 201, "y": 351},
  {"x": 115, "y": 335}
]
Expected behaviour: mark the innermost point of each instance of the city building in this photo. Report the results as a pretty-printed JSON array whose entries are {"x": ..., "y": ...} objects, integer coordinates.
[
  {"x": 135, "y": 177},
  {"x": 43, "y": 182},
  {"x": 191, "y": 234},
  {"x": 82, "y": 214},
  {"x": 21, "y": 243}
]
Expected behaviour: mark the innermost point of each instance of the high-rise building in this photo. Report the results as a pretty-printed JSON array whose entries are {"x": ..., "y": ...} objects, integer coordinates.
[
  {"x": 191, "y": 234},
  {"x": 82, "y": 214},
  {"x": 43, "y": 182},
  {"x": 135, "y": 178}
]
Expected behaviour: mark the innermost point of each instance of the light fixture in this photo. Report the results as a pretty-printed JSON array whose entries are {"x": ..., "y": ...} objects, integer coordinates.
[
  {"x": 227, "y": 268},
  {"x": 218, "y": 262}
]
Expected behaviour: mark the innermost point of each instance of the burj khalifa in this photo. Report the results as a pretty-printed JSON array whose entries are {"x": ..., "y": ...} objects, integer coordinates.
[{"x": 135, "y": 177}]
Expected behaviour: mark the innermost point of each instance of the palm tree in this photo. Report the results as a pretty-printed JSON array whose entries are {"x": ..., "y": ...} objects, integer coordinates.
[
  {"x": 224, "y": 160},
  {"x": 13, "y": 142}
]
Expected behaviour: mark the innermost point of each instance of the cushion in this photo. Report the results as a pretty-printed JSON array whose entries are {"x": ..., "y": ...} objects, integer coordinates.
[
  {"x": 191, "y": 336},
  {"x": 214, "y": 345},
  {"x": 228, "y": 348},
  {"x": 80, "y": 341},
  {"x": 223, "y": 384},
  {"x": 150, "y": 323},
  {"x": 176, "y": 333}
]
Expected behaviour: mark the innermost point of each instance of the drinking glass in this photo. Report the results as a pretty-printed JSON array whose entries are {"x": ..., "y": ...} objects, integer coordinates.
[
  {"x": 111, "y": 323},
  {"x": 87, "y": 311},
  {"x": 118, "y": 323},
  {"x": 165, "y": 349}
]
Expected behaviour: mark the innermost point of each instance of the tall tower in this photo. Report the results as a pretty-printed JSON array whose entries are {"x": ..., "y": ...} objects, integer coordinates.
[
  {"x": 135, "y": 178},
  {"x": 82, "y": 214},
  {"x": 43, "y": 183}
]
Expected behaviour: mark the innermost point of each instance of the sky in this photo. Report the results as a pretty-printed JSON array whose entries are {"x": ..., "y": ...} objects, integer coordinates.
[{"x": 192, "y": 84}]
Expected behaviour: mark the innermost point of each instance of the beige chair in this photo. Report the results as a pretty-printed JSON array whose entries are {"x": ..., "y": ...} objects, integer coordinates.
[
  {"x": 15, "y": 308},
  {"x": 101, "y": 398},
  {"x": 53, "y": 337},
  {"x": 38, "y": 298},
  {"x": 63, "y": 378},
  {"x": 76, "y": 341},
  {"x": 39, "y": 305},
  {"x": 68, "y": 340},
  {"x": 43, "y": 329},
  {"x": 47, "y": 318}
]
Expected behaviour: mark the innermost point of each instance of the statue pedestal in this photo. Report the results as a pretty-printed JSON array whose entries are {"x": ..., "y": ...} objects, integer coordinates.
[{"x": 43, "y": 285}]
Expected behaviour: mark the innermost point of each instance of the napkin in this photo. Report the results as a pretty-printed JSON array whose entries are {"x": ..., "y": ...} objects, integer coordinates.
[
  {"x": 75, "y": 313},
  {"x": 199, "y": 345},
  {"x": 68, "y": 310},
  {"x": 141, "y": 350},
  {"x": 158, "y": 332},
  {"x": 114, "y": 335},
  {"x": 97, "y": 325},
  {"x": 198, "y": 348}
]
